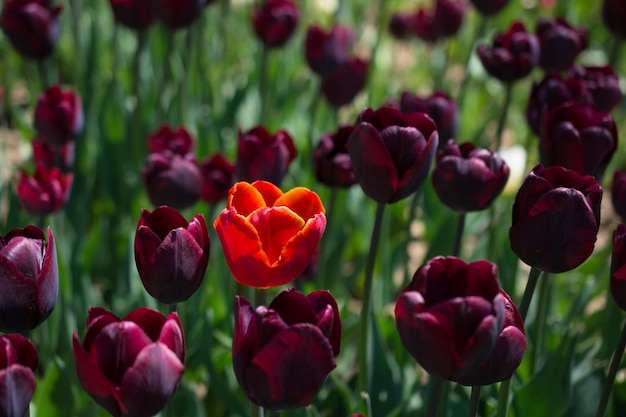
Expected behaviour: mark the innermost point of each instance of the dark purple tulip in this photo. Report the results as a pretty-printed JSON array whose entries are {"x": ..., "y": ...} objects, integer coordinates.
[
  {"x": 618, "y": 193},
  {"x": 513, "y": 54},
  {"x": 449, "y": 15},
  {"x": 556, "y": 216},
  {"x": 130, "y": 367},
  {"x": 402, "y": 25},
  {"x": 578, "y": 136},
  {"x": 179, "y": 14},
  {"x": 274, "y": 22},
  {"x": 489, "y": 7},
  {"x": 18, "y": 361},
  {"x": 467, "y": 178},
  {"x": 325, "y": 51},
  {"x": 618, "y": 267},
  {"x": 614, "y": 16},
  {"x": 134, "y": 14},
  {"x": 391, "y": 152},
  {"x": 29, "y": 276},
  {"x": 45, "y": 192},
  {"x": 439, "y": 106},
  {"x": 451, "y": 315},
  {"x": 282, "y": 353},
  {"x": 425, "y": 25},
  {"x": 264, "y": 156},
  {"x": 331, "y": 160},
  {"x": 32, "y": 26},
  {"x": 172, "y": 180},
  {"x": 344, "y": 83},
  {"x": 178, "y": 141},
  {"x": 171, "y": 253},
  {"x": 559, "y": 43},
  {"x": 219, "y": 175},
  {"x": 602, "y": 83},
  {"x": 58, "y": 116},
  {"x": 53, "y": 156}
]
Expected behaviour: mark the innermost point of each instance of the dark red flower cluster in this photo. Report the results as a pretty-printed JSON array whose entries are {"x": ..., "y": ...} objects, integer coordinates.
[
  {"x": 140, "y": 14},
  {"x": 429, "y": 24}
]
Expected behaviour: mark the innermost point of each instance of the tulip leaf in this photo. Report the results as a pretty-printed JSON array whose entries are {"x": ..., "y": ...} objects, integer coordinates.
[
  {"x": 586, "y": 394},
  {"x": 53, "y": 396}
]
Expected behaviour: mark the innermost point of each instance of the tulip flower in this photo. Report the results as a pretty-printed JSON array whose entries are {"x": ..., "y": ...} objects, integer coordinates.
[
  {"x": 18, "y": 361},
  {"x": 559, "y": 43},
  {"x": 331, "y": 160},
  {"x": 45, "y": 192},
  {"x": 614, "y": 16},
  {"x": 268, "y": 237},
  {"x": 134, "y": 14},
  {"x": 32, "y": 26},
  {"x": 602, "y": 83},
  {"x": 178, "y": 141},
  {"x": 325, "y": 51},
  {"x": 171, "y": 254},
  {"x": 29, "y": 276},
  {"x": 618, "y": 193},
  {"x": 130, "y": 367},
  {"x": 442, "y": 21},
  {"x": 556, "y": 216},
  {"x": 618, "y": 267},
  {"x": 439, "y": 106},
  {"x": 282, "y": 353},
  {"x": 451, "y": 318},
  {"x": 402, "y": 25},
  {"x": 489, "y": 7},
  {"x": 392, "y": 153},
  {"x": 53, "y": 156},
  {"x": 172, "y": 180},
  {"x": 58, "y": 116},
  {"x": 275, "y": 21},
  {"x": 342, "y": 85},
  {"x": 218, "y": 175},
  {"x": 179, "y": 14}
]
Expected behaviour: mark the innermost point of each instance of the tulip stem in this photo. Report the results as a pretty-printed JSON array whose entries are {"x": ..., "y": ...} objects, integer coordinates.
[
  {"x": 459, "y": 235},
  {"x": 464, "y": 82},
  {"x": 263, "y": 84},
  {"x": 27, "y": 413},
  {"x": 260, "y": 297},
  {"x": 610, "y": 378},
  {"x": 382, "y": 20},
  {"x": 505, "y": 110},
  {"x": 315, "y": 104},
  {"x": 436, "y": 388},
  {"x": 274, "y": 414},
  {"x": 172, "y": 308},
  {"x": 474, "y": 401},
  {"x": 256, "y": 410},
  {"x": 540, "y": 323},
  {"x": 364, "y": 351}
]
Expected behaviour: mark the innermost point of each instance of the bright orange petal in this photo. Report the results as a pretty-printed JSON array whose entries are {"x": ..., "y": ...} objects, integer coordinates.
[
  {"x": 245, "y": 198},
  {"x": 269, "y": 191},
  {"x": 302, "y": 201},
  {"x": 275, "y": 227}
]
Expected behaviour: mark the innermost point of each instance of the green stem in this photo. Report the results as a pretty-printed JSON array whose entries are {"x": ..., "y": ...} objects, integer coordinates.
[
  {"x": 439, "y": 59},
  {"x": 167, "y": 78},
  {"x": 134, "y": 141},
  {"x": 505, "y": 110},
  {"x": 614, "y": 52},
  {"x": 474, "y": 401},
  {"x": 315, "y": 104},
  {"x": 465, "y": 81},
  {"x": 263, "y": 84},
  {"x": 172, "y": 308},
  {"x": 610, "y": 378},
  {"x": 27, "y": 413},
  {"x": 459, "y": 235},
  {"x": 274, "y": 414},
  {"x": 43, "y": 74},
  {"x": 540, "y": 323},
  {"x": 436, "y": 389},
  {"x": 256, "y": 410},
  {"x": 330, "y": 209},
  {"x": 364, "y": 351},
  {"x": 260, "y": 297},
  {"x": 372, "y": 64}
]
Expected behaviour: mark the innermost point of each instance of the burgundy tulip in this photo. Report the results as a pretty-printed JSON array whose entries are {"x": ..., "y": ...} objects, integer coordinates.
[
  {"x": 130, "y": 367},
  {"x": 32, "y": 26},
  {"x": 392, "y": 153},
  {"x": 614, "y": 16},
  {"x": 219, "y": 175},
  {"x": 425, "y": 25},
  {"x": 578, "y": 136},
  {"x": 618, "y": 193},
  {"x": 489, "y": 7},
  {"x": 171, "y": 253},
  {"x": 331, "y": 160},
  {"x": 602, "y": 83},
  {"x": 275, "y": 21},
  {"x": 451, "y": 316},
  {"x": 18, "y": 361},
  {"x": 264, "y": 156},
  {"x": 342, "y": 85},
  {"x": 556, "y": 217},
  {"x": 172, "y": 180},
  {"x": 559, "y": 43},
  {"x": 467, "y": 178},
  {"x": 134, "y": 14},
  {"x": 58, "y": 116},
  {"x": 513, "y": 54},
  {"x": 325, "y": 51},
  {"x": 45, "y": 192},
  {"x": 53, "y": 156},
  {"x": 179, "y": 14},
  {"x": 402, "y": 25},
  {"x": 29, "y": 275},
  {"x": 178, "y": 141},
  {"x": 282, "y": 353},
  {"x": 618, "y": 267},
  {"x": 439, "y": 106}
]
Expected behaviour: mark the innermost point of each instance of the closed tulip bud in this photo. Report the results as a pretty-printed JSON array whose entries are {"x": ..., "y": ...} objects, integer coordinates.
[
  {"x": 29, "y": 275},
  {"x": 32, "y": 26},
  {"x": 268, "y": 237},
  {"x": 172, "y": 180},
  {"x": 559, "y": 43},
  {"x": 618, "y": 193},
  {"x": 275, "y": 21},
  {"x": 449, "y": 15},
  {"x": 618, "y": 267},
  {"x": 45, "y": 192},
  {"x": 171, "y": 254},
  {"x": 602, "y": 83},
  {"x": 342, "y": 85},
  {"x": 264, "y": 156},
  {"x": 130, "y": 367},
  {"x": 426, "y": 25},
  {"x": 331, "y": 160},
  {"x": 218, "y": 174},
  {"x": 489, "y": 7},
  {"x": 556, "y": 217},
  {"x": 178, "y": 141},
  {"x": 134, "y": 14},
  {"x": 58, "y": 116},
  {"x": 53, "y": 156},
  {"x": 513, "y": 54},
  {"x": 274, "y": 347},
  {"x": 402, "y": 25},
  {"x": 325, "y": 51},
  {"x": 391, "y": 153},
  {"x": 576, "y": 136},
  {"x": 614, "y": 16},
  {"x": 18, "y": 361},
  {"x": 179, "y": 14},
  {"x": 467, "y": 178},
  {"x": 439, "y": 106}
]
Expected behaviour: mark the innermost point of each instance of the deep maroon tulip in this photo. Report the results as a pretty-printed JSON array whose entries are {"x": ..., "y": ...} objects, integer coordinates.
[
  {"x": 134, "y": 14},
  {"x": 618, "y": 267},
  {"x": 29, "y": 275},
  {"x": 58, "y": 116},
  {"x": 32, "y": 26},
  {"x": 614, "y": 16},
  {"x": 559, "y": 43},
  {"x": 449, "y": 15},
  {"x": 171, "y": 254},
  {"x": 439, "y": 106},
  {"x": 602, "y": 83},
  {"x": 282, "y": 353},
  {"x": 178, "y": 14},
  {"x": 275, "y": 21},
  {"x": 331, "y": 160},
  {"x": 178, "y": 141},
  {"x": 578, "y": 136},
  {"x": 489, "y": 7},
  {"x": 218, "y": 175},
  {"x": 402, "y": 25},
  {"x": 53, "y": 156},
  {"x": 513, "y": 54},
  {"x": 467, "y": 178},
  {"x": 556, "y": 216},
  {"x": 344, "y": 83},
  {"x": 425, "y": 25},
  {"x": 130, "y": 367},
  {"x": 325, "y": 51},
  {"x": 451, "y": 315},
  {"x": 45, "y": 192},
  {"x": 618, "y": 193},
  {"x": 172, "y": 180},
  {"x": 392, "y": 153},
  {"x": 18, "y": 361},
  {"x": 264, "y": 156}
]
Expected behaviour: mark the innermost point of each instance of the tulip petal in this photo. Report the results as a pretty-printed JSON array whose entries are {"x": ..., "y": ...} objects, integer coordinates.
[
  {"x": 25, "y": 350},
  {"x": 244, "y": 339},
  {"x": 302, "y": 201},
  {"x": 18, "y": 300},
  {"x": 173, "y": 337},
  {"x": 97, "y": 319},
  {"x": 319, "y": 300},
  {"x": 151, "y": 321},
  {"x": 146, "y": 244},
  {"x": 294, "y": 307},
  {"x": 91, "y": 377},
  {"x": 48, "y": 282},
  {"x": 275, "y": 227},
  {"x": 246, "y": 198},
  {"x": 17, "y": 385},
  {"x": 416, "y": 174}
]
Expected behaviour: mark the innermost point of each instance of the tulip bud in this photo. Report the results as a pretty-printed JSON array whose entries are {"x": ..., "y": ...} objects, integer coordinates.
[
  {"x": 53, "y": 156},
  {"x": 602, "y": 83},
  {"x": 179, "y": 141},
  {"x": 179, "y": 14},
  {"x": 46, "y": 192},
  {"x": 19, "y": 360},
  {"x": 325, "y": 51},
  {"x": 618, "y": 267},
  {"x": 275, "y": 21},
  {"x": 489, "y": 7},
  {"x": 331, "y": 160},
  {"x": 218, "y": 175},
  {"x": 172, "y": 180},
  {"x": 275, "y": 346},
  {"x": 29, "y": 276},
  {"x": 439, "y": 106},
  {"x": 402, "y": 25},
  {"x": 134, "y": 14},
  {"x": 618, "y": 193},
  {"x": 58, "y": 116},
  {"x": 130, "y": 367},
  {"x": 559, "y": 43},
  {"x": 342, "y": 85},
  {"x": 614, "y": 16}
]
